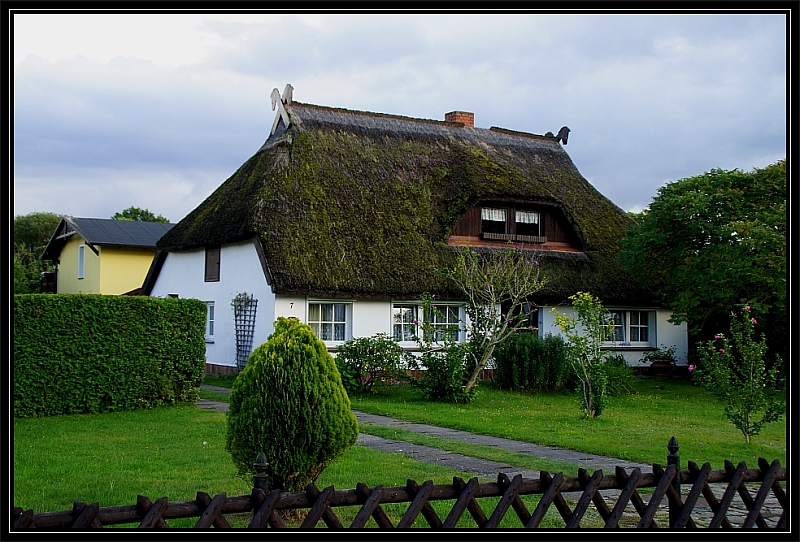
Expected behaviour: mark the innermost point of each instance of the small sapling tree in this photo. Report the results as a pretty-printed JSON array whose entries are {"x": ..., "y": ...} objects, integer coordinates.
[
  {"x": 734, "y": 371},
  {"x": 585, "y": 335}
]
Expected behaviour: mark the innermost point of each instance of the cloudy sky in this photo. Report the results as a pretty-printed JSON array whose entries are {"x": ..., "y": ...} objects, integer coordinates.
[{"x": 157, "y": 110}]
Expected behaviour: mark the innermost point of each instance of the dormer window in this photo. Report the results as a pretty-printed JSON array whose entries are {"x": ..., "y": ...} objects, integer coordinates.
[
  {"x": 523, "y": 226},
  {"x": 496, "y": 223}
]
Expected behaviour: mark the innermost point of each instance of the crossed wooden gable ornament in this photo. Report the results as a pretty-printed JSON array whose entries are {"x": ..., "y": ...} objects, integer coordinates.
[{"x": 286, "y": 99}]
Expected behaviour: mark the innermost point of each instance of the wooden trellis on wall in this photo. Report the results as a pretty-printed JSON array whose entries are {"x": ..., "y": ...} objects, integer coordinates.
[
  {"x": 265, "y": 506},
  {"x": 244, "y": 315}
]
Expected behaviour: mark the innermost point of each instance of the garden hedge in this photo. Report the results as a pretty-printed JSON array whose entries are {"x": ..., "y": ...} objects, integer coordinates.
[{"x": 80, "y": 353}]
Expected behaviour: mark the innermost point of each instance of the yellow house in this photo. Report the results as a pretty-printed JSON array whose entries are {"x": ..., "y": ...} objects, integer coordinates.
[{"x": 102, "y": 256}]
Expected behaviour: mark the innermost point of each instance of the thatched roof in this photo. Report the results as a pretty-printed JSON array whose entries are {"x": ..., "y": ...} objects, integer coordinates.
[{"x": 353, "y": 204}]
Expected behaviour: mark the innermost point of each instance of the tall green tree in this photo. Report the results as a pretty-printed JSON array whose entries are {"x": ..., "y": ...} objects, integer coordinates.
[
  {"x": 138, "y": 215},
  {"x": 32, "y": 232},
  {"x": 715, "y": 241}
]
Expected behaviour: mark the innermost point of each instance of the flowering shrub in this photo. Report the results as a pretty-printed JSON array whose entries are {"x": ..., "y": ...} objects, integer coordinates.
[{"x": 734, "y": 371}]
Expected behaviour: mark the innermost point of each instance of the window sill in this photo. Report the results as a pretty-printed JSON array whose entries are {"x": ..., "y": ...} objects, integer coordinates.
[
  {"x": 631, "y": 348},
  {"x": 209, "y": 341}
]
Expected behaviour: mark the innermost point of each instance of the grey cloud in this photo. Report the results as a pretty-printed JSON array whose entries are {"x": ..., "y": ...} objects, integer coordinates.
[{"x": 648, "y": 99}]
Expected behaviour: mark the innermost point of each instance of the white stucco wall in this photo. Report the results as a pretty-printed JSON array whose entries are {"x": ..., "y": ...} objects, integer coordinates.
[
  {"x": 183, "y": 273},
  {"x": 666, "y": 334},
  {"x": 240, "y": 271},
  {"x": 371, "y": 317}
]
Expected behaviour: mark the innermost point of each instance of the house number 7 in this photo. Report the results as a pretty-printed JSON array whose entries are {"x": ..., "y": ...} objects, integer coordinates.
[{"x": 291, "y": 305}]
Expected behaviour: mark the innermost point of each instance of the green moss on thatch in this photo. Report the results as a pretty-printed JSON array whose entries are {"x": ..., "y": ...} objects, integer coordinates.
[{"x": 351, "y": 204}]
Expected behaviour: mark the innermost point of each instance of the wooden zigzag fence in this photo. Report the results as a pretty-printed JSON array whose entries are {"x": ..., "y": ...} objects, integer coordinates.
[{"x": 266, "y": 506}]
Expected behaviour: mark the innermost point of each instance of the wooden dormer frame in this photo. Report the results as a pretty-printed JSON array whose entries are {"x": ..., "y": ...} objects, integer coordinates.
[{"x": 556, "y": 233}]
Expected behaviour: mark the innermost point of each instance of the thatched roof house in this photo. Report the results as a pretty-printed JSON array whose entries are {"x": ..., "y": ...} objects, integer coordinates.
[{"x": 342, "y": 204}]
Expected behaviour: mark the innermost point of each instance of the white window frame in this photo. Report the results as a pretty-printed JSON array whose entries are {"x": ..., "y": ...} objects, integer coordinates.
[
  {"x": 81, "y": 260},
  {"x": 419, "y": 310},
  {"x": 413, "y": 325},
  {"x": 626, "y": 326},
  {"x": 447, "y": 314},
  {"x": 210, "y": 320},
  {"x": 348, "y": 319}
]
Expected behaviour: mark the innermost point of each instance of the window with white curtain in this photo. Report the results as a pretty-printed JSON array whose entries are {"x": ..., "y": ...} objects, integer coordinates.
[
  {"x": 330, "y": 321},
  {"x": 634, "y": 328},
  {"x": 527, "y": 222},
  {"x": 493, "y": 220},
  {"x": 209, "y": 320},
  {"x": 404, "y": 322}
]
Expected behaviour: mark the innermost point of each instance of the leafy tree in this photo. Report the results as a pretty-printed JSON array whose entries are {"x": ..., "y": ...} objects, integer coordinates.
[
  {"x": 489, "y": 281},
  {"x": 714, "y": 241},
  {"x": 289, "y": 402},
  {"x": 585, "y": 335},
  {"x": 32, "y": 232},
  {"x": 735, "y": 373},
  {"x": 138, "y": 215}
]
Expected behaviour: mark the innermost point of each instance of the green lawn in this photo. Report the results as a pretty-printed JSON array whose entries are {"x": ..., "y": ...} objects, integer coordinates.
[
  {"x": 635, "y": 427},
  {"x": 176, "y": 452}
]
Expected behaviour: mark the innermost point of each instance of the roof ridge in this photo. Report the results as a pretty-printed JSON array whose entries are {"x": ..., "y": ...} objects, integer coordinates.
[
  {"x": 379, "y": 115},
  {"x": 522, "y": 134},
  {"x": 444, "y": 123}
]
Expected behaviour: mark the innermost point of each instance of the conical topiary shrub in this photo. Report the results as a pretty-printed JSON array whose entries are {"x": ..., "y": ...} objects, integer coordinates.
[{"x": 289, "y": 402}]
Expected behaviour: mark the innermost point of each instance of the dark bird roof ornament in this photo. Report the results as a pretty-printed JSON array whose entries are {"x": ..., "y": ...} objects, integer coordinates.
[{"x": 563, "y": 134}]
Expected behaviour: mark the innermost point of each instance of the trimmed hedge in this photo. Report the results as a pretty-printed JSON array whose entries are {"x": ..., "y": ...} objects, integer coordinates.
[
  {"x": 527, "y": 362},
  {"x": 81, "y": 353}
]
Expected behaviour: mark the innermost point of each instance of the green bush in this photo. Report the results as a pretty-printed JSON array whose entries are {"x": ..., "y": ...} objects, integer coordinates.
[
  {"x": 370, "y": 363},
  {"x": 619, "y": 375},
  {"x": 81, "y": 353},
  {"x": 528, "y": 362},
  {"x": 444, "y": 373},
  {"x": 289, "y": 402}
]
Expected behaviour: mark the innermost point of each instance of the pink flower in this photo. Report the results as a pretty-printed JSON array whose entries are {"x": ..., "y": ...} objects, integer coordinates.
[
  {"x": 691, "y": 368},
  {"x": 747, "y": 307},
  {"x": 754, "y": 321},
  {"x": 732, "y": 313},
  {"x": 721, "y": 350},
  {"x": 716, "y": 337}
]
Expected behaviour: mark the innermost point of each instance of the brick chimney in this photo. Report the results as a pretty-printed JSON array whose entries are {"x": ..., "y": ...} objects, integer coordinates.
[{"x": 467, "y": 119}]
